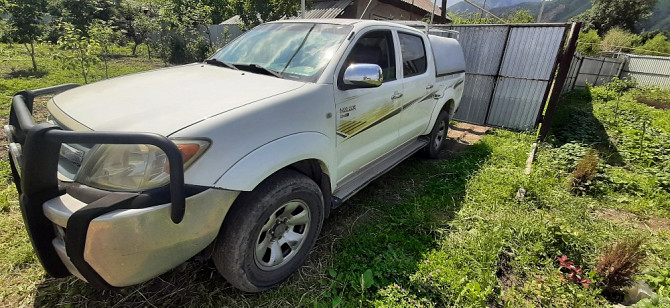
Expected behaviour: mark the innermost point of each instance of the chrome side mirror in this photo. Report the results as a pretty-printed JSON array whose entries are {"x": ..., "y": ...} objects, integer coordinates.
[{"x": 363, "y": 76}]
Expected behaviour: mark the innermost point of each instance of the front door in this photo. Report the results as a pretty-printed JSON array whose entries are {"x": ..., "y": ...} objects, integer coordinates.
[{"x": 368, "y": 118}]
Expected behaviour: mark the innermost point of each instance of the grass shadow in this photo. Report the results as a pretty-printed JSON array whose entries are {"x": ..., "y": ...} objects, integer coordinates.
[
  {"x": 388, "y": 228},
  {"x": 575, "y": 122},
  {"x": 25, "y": 73}
]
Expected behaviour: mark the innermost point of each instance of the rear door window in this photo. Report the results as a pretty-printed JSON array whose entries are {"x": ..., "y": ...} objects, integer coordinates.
[{"x": 413, "y": 54}]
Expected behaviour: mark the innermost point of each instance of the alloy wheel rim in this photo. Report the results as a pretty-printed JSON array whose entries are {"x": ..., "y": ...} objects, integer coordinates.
[{"x": 282, "y": 235}]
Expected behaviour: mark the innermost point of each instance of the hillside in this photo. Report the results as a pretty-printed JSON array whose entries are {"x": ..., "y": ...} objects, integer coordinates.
[
  {"x": 563, "y": 10},
  {"x": 660, "y": 20},
  {"x": 490, "y": 4},
  {"x": 554, "y": 11}
]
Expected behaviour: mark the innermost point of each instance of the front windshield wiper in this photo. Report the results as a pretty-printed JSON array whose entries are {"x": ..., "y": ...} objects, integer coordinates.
[
  {"x": 267, "y": 70},
  {"x": 218, "y": 62}
]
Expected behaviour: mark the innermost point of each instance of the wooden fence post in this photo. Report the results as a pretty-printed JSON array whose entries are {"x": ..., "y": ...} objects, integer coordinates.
[{"x": 559, "y": 82}]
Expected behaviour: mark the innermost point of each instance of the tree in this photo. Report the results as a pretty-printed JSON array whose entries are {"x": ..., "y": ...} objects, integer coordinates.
[
  {"x": 658, "y": 46},
  {"x": 255, "y": 12},
  {"x": 520, "y": 17},
  {"x": 184, "y": 32},
  {"x": 221, "y": 10},
  {"x": 25, "y": 18},
  {"x": 617, "y": 39},
  {"x": 588, "y": 43},
  {"x": 105, "y": 35},
  {"x": 607, "y": 14},
  {"x": 82, "y": 13},
  {"x": 81, "y": 52}
]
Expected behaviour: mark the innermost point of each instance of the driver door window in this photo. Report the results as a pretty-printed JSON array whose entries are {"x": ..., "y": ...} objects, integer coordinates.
[{"x": 375, "y": 47}]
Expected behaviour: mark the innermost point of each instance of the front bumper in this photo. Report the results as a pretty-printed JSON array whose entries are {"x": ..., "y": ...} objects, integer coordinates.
[
  {"x": 129, "y": 246},
  {"x": 110, "y": 239}
]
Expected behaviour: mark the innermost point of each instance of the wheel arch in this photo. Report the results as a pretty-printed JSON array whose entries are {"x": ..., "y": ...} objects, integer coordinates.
[
  {"x": 448, "y": 105},
  {"x": 309, "y": 153}
]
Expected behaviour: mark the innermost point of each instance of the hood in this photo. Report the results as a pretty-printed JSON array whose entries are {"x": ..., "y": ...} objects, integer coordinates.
[{"x": 165, "y": 100}]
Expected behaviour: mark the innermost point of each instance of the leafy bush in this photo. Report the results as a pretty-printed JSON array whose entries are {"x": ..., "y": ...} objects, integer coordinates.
[
  {"x": 659, "y": 280},
  {"x": 589, "y": 43},
  {"x": 617, "y": 39},
  {"x": 658, "y": 46}
]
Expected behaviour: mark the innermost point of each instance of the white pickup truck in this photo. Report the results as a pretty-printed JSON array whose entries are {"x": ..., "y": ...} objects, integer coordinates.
[{"x": 239, "y": 158}]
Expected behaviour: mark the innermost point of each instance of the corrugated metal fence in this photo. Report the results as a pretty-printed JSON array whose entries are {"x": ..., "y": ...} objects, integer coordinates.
[
  {"x": 646, "y": 70},
  {"x": 509, "y": 71},
  {"x": 592, "y": 70}
]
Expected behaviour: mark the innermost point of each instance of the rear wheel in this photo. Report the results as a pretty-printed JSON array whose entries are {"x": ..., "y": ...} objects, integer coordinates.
[
  {"x": 269, "y": 232},
  {"x": 438, "y": 135}
]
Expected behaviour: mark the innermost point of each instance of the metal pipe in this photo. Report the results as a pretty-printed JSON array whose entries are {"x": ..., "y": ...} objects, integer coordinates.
[
  {"x": 433, "y": 13},
  {"x": 302, "y": 8}
]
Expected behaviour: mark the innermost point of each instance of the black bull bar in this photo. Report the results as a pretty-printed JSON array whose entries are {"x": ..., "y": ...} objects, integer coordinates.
[{"x": 34, "y": 153}]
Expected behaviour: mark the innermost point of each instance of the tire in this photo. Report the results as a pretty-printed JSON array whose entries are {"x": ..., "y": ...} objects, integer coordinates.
[
  {"x": 437, "y": 136},
  {"x": 258, "y": 230}
]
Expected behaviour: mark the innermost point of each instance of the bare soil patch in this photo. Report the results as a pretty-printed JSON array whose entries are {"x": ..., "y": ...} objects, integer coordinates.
[{"x": 654, "y": 224}]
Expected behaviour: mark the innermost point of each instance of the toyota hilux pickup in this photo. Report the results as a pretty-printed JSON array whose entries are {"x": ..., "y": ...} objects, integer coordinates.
[{"x": 238, "y": 158}]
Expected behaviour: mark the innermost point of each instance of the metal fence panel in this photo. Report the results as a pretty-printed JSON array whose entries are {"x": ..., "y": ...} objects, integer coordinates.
[
  {"x": 527, "y": 68},
  {"x": 496, "y": 54},
  {"x": 516, "y": 103},
  {"x": 475, "y": 100},
  {"x": 648, "y": 70},
  {"x": 531, "y": 52},
  {"x": 483, "y": 48}
]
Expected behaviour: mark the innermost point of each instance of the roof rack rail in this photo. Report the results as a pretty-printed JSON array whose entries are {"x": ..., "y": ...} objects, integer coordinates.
[{"x": 428, "y": 28}]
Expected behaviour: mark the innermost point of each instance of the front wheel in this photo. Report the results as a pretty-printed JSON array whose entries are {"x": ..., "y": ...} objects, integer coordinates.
[
  {"x": 438, "y": 135},
  {"x": 269, "y": 232}
]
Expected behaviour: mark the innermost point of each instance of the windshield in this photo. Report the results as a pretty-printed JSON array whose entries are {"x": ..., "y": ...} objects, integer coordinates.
[{"x": 292, "y": 50}]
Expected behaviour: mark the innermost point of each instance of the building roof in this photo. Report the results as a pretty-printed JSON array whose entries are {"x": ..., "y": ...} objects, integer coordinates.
[
  {"x": 327, "y": 9},
  {"x": 235, "y": 20},
  {"x": 425, "y": 5}
]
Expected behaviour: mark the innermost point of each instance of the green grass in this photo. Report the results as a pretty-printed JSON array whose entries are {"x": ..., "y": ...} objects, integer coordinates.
[{"x": 430, "y": 232}]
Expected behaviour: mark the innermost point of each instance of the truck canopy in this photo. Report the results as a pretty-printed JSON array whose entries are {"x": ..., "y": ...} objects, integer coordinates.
[{"x": 448, "y": 55}]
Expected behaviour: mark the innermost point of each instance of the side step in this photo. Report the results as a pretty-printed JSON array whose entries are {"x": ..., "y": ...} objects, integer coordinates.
[{"x": 368, "y": 173}]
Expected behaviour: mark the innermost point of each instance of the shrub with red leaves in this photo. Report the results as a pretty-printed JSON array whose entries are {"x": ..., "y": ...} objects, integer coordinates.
[{"x": 572, "y": 272}]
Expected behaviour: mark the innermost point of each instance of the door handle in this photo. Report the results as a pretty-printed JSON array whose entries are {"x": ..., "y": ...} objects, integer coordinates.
[
  {"x": 430, "y": 86},
  {"x": 396, "y": 95}
]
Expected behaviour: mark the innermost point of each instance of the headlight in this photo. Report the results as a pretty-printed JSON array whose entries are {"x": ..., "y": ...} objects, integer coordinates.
[{"x": 133, "y": 167}]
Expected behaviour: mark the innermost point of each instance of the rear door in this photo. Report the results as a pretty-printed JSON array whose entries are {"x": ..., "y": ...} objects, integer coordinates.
[
  {"x": 418, "y": 76},
  {"x": 368, "y": 118}
]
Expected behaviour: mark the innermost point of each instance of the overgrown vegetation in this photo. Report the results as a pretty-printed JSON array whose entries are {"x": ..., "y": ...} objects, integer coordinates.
[
  {"x": 431, "y": 233},
  {"x": 618, "y": 40},
  {"x": 177, "y": 30},
  {"x": 469, "y": 17}
]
